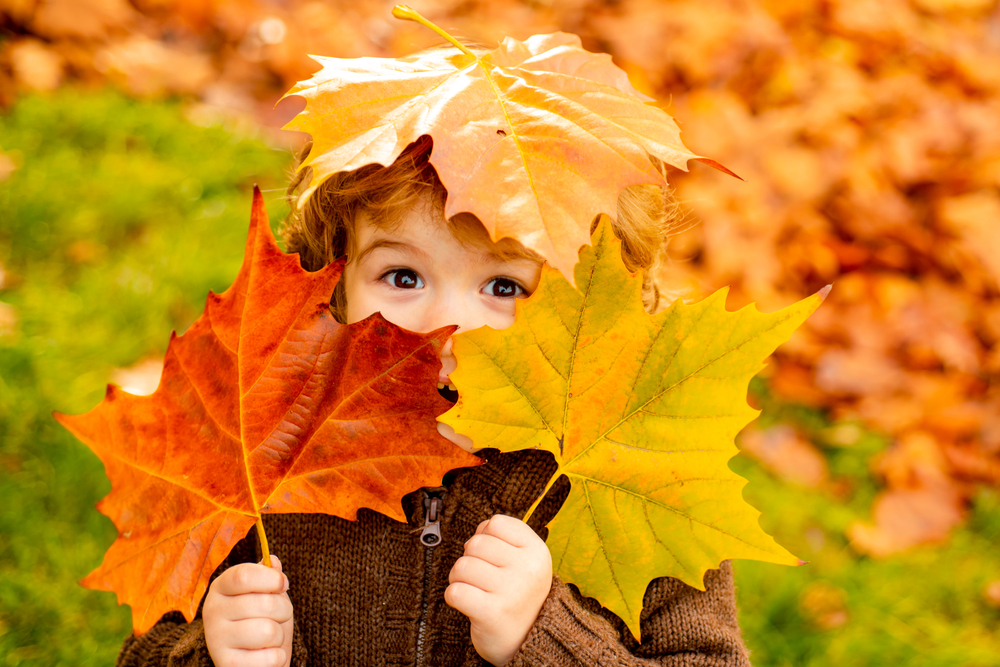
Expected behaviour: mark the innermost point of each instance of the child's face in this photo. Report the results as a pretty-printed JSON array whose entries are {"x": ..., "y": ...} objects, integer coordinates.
[{"x": 421, "y": 277}]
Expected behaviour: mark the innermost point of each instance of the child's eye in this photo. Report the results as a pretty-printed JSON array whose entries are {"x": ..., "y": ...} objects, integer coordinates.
[
  {"x": 504, "y": 288},
  {"x": 403, "y": 279}
]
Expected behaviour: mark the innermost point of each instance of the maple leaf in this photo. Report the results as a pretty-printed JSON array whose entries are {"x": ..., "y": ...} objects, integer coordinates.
[
  {"x": 640, "y": 413},
  {"x": 535, "y": 138},
  {"x": 266, "y": 405}
]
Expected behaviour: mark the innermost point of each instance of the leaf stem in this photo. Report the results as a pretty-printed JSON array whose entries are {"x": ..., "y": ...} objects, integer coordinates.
[
  {"x": 538, "y": 501},
  {"x": 406, "y": 14},
  {"x": 263, "y": 541}
]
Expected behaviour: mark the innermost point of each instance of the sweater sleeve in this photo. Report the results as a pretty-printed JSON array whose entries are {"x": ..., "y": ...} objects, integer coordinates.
[{"x": 681, "y": 627}]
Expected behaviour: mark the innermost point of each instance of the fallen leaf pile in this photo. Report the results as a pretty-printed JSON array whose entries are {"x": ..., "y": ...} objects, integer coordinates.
[
  {"x": 866, "y": 131},
  {"x": 867, "y": 134},
  {"x": 299, "y": 412},
  {"x": 639, "y": 412}
]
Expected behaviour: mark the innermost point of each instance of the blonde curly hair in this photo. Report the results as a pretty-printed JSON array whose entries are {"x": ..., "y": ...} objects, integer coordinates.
[{"x": 322, "y": 230}]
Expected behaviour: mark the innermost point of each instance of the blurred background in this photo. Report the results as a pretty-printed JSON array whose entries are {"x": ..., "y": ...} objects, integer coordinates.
[{"x": 868, "y": 135}]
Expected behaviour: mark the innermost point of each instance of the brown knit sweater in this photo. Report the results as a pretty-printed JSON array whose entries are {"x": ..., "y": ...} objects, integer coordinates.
[{"x": 368, "y": 593}]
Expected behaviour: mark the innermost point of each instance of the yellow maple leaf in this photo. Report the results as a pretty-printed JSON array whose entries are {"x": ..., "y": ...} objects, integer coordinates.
[{"x": 640, "y": 413}]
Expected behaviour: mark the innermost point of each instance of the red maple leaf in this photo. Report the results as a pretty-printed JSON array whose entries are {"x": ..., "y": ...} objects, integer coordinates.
[{"x": 266, "y": 405}]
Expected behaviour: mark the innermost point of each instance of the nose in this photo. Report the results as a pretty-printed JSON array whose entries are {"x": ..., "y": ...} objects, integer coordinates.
[{"x": 453, "y": 309}]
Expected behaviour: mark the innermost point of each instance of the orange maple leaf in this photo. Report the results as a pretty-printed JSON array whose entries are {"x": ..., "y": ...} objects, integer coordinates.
[
  {"x": 535, "y": 138},
  {"x": 266, "y": 405}
]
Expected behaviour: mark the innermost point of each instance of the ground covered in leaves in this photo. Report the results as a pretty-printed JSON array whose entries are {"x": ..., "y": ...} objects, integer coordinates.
[{"x": 117, "y": 202}]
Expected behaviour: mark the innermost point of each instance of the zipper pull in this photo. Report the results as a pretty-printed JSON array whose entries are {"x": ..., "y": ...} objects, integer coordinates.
[{"x": 430, "y": 536}]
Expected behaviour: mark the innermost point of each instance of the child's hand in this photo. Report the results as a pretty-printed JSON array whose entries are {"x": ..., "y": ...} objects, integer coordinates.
[
  {"x": 248, "y": 617},
  {"x": 500, "y": 584}
]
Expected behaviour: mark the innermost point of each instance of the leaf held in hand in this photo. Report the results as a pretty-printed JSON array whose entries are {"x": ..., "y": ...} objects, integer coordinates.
[
  {"x": 266, "y": 405},
  {"x": 535, "y": 138},
  {"x": 640, "y": 413}
]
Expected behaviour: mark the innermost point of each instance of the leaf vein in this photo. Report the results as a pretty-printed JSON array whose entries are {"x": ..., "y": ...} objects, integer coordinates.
[{"x": 662, "y": 505}]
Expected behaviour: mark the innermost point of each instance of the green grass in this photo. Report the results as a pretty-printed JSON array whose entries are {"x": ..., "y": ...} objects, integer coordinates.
[
  {"x": 118, "y": 221},
  {"x": 120, "y": 218},
  {"x": 923, "y": 608}
]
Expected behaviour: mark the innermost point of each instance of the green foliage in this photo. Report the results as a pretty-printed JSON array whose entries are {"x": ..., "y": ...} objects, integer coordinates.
[
  {"x": 924, "y": 608},
  {"x": 119, "y": 219}
]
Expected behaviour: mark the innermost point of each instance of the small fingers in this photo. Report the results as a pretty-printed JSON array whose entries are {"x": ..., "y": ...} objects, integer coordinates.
[
  {"x": 475, "y": 572},
  {"x": 255, "y": 633},
  {"x": 468, "y": 599},
  {"x": 509, "y": 529},
  {"x": 268, "y": 657},
  {"x": 491, "y": 549},
  {"x": 251, "y": 578},
  {"x": 273, "y": 606}
]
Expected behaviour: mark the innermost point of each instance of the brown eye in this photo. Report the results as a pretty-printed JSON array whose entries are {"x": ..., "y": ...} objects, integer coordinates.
[
  {"x": 404, "y": 279},
  {"x": 504, "y": 288}
]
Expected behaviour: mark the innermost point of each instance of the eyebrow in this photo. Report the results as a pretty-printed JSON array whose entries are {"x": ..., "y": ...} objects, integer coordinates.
[
  {"x": 490, "y": 256},
  {"x": 501, "y": 253},
  {"x": 404, "y": 248},
  {"x": 498, "y": 257}
]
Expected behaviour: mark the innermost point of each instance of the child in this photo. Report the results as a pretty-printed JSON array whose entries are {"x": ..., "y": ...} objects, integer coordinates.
[{"x": 464, "y": 583}]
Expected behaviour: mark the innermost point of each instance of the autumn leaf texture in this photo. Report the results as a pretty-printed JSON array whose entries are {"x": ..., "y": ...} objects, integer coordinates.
[
  {"x": 640, "y": 413},
  {"x": 266, "y": 405},
  {"x": 535, "y": 138}
]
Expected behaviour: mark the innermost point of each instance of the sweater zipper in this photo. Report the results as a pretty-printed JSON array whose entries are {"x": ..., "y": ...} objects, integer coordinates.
[{"x": 430, "y": 537}]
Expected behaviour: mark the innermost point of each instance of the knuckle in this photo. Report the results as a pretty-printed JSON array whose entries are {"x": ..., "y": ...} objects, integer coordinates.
[
  {"x": 449, "y": 595},
  {"x": 266, "y": 631},
  {"x": 285, "y": 610},
  {"x": 241, "y": 576},
  {"x": 454, "y": 596},
  {"x": 274, "y": 657},
  {"x": 462, "y": 567},
  {"x": 264, "y": 605},
  {"x": 213, "y": 587},
  {"x": 475, "y": 544},
  {"x": 273, "y": 633},
  {"x": 501, "y": 523},
  {"x": 493, "y": 525}
]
